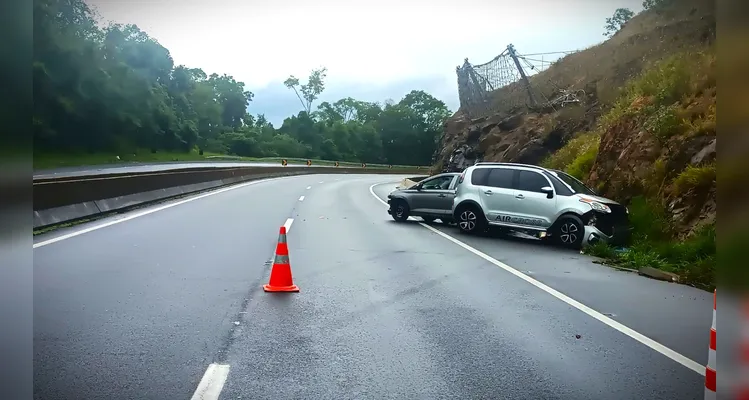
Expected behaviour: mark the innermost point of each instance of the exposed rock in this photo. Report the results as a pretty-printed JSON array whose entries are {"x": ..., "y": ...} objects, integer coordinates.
[{"x": 707, "y": 154}]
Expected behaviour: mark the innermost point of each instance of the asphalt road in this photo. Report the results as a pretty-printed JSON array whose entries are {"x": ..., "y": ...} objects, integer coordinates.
[
  {"x": 135, "y": 168},
  {"x": 140, "y": 309}
]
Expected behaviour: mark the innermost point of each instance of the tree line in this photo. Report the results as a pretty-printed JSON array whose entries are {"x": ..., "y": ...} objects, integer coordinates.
[{"x": 116, "y": 89}]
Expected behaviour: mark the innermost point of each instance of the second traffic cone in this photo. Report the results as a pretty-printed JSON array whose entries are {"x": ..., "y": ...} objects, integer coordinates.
[{"x": 280, "y": 273}]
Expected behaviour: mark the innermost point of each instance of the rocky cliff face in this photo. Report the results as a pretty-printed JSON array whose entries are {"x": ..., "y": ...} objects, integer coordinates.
[{"x": 635, "y": 156}]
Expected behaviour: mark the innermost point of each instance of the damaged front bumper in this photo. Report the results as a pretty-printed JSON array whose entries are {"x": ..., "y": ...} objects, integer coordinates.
[{"x": 619, "y": 237}]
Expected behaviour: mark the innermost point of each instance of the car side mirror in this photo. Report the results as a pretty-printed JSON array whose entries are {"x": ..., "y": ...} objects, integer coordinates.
[{"x": 549, "y": 191}]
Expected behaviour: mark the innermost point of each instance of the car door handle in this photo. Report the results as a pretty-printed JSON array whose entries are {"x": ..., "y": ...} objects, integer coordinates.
[
  {"x": 520, "y": 196},
  {"x": 489, "y": 192},
  {"x": 441, "y": 195}
]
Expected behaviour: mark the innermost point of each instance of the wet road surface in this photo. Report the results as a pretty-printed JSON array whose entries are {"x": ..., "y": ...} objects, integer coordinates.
[{"x": 140, "y": 309}]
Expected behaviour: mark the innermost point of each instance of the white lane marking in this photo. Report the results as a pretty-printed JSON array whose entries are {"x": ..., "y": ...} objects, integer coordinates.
[
  {"x": 309, "y": 187},
  {"x": 212, "y": 383},
  {"x": 301, "y": 198},
  {"x": 321, "y": 182},
  {"x": 146, "y": 212},
  {"x": 681, "y": 359},
  {"x": 287, "y": 224}
]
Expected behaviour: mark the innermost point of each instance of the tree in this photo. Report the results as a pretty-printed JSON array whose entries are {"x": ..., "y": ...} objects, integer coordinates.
[
  {"x": 315, "y": 85},
  {"x": 116, "y": 90},
  {"x": 616, "y": 21},
  {"x": 656, "y": 5}
]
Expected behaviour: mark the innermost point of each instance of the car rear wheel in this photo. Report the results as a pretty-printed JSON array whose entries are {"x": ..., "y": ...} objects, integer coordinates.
[
  {"x": 470, "y": 219},
  {"x": 569, "y": 231},
  {"x": 399, "y": 210}
]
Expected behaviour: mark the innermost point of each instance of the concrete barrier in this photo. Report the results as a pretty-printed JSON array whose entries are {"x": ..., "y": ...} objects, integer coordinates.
[{"x": 68, "y": 199}]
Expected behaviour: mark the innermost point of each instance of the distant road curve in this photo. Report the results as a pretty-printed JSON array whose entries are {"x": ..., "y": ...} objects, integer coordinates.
[{"x": 106, "y": 169}]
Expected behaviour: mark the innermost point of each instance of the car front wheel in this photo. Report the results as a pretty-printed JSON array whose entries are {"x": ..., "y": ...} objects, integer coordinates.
[
  {"x": 569, "y": 231},
  {"x": 399, "y": 210}
]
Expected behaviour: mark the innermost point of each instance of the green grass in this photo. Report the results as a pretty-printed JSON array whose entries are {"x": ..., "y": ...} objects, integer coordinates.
[
  {"x": 577, "y": 156},
  {"x": 57, "y": 160},
  {"x": 694, "y": 178},
  {"x": 693, "y": 258}
]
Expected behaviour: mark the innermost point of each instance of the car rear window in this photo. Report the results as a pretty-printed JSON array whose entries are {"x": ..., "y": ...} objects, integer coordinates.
[
  {"x": 501, "y": 178},
  {"x": 479, "y": 175}
]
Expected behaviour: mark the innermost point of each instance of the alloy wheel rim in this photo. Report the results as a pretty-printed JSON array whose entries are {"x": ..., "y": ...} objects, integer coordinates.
[
  {"x": 467, "y": 220},
  {"x": 568, "y": 233}
]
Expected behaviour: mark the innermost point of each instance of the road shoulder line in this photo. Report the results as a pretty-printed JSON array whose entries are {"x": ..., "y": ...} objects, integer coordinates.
[{"x": 673, "y": 355}]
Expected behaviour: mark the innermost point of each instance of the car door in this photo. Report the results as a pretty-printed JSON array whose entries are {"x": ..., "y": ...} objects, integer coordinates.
[
  {"x": 497, "y": 193},
  {"x": 433, "y": 196},
  {"x": 531, "y": 204}
]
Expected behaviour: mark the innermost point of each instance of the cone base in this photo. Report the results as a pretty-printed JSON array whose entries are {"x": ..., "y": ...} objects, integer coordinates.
[{"x": 291, "y": 288}]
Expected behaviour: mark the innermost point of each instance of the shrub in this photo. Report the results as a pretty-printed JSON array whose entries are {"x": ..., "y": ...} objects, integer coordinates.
[
  {"x": 649, "y": 220},
  {"x": 694, "y": 178},
  {"x": 583, "y": 163},
  {"x": 566, "y": 156},
  {"x": 664, "y": 123}
]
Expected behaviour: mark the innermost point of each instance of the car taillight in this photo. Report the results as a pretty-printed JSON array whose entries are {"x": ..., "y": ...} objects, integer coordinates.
[{"x": 462, "y": 176}]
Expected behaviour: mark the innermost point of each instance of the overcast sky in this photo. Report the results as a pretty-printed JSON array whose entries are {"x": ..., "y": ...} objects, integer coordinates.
[{"x": 374, "y": 50}]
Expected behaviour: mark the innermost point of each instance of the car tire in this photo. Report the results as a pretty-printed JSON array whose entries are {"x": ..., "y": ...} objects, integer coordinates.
[
  {"x": 399, "y": 210},
  {"x": 569, "y": 231},
  {"x": 470, "y": 219},
  {"x": 428, "y": 220}
]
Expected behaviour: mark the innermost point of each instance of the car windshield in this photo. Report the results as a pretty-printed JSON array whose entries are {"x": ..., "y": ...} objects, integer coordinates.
[{"x": 575, "y": 184}]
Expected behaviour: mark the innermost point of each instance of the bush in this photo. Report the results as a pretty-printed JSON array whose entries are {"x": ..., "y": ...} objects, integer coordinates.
[
  {"x": 694, "y": 178},
  {"x": 583, "y": 163},
  {"x": 566, "y": 156},
  {"x": 664, "y": 123},
  {"x": 649, "y": 220}
]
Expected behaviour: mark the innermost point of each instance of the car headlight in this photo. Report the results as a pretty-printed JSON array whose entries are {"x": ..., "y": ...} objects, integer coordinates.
[{"x": 597, "y": 206}]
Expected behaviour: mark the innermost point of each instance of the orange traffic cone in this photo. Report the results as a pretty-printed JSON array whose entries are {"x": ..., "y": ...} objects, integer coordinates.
[
  {"x": 280, "y": 273},
  {"x": 710, "y": 375}
]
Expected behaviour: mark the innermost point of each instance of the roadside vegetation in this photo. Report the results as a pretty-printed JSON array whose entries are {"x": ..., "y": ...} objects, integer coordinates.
[
  {"x": 102, "y": 92},
  {"x": 658, "y": 117}
]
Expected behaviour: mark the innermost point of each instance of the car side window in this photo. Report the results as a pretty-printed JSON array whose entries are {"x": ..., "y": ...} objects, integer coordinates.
[
  {"x": 559, "y": 188},
  {"x": 500, "y": 178},
  {"x": 437, "y": 183},
  {"x": 530, "y": 181}
]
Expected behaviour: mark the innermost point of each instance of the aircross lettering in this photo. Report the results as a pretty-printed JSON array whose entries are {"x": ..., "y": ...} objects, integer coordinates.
[{"x": 519, "y": 220}]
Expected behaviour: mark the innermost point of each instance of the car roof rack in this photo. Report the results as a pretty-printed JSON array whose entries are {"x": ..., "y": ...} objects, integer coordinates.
[{"x": 511, "y": 164}]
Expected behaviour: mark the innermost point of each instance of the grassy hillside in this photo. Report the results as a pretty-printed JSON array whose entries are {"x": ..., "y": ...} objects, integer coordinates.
[
  {"x": 655, "y": 150},
  {"x": 601, "y": 70}
]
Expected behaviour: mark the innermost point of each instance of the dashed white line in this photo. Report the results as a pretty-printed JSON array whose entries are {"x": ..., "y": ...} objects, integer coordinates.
[
  {"x": 321, "y": 182},
  {"x": 287, "y": 224},
  {"x": 212, "y": 383},
  {"x": 146, "y": 212},
  {"x": 681, "y": 359},
  {"x": 309, "y": 187},
  {"x": 301, "y": 198}
]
